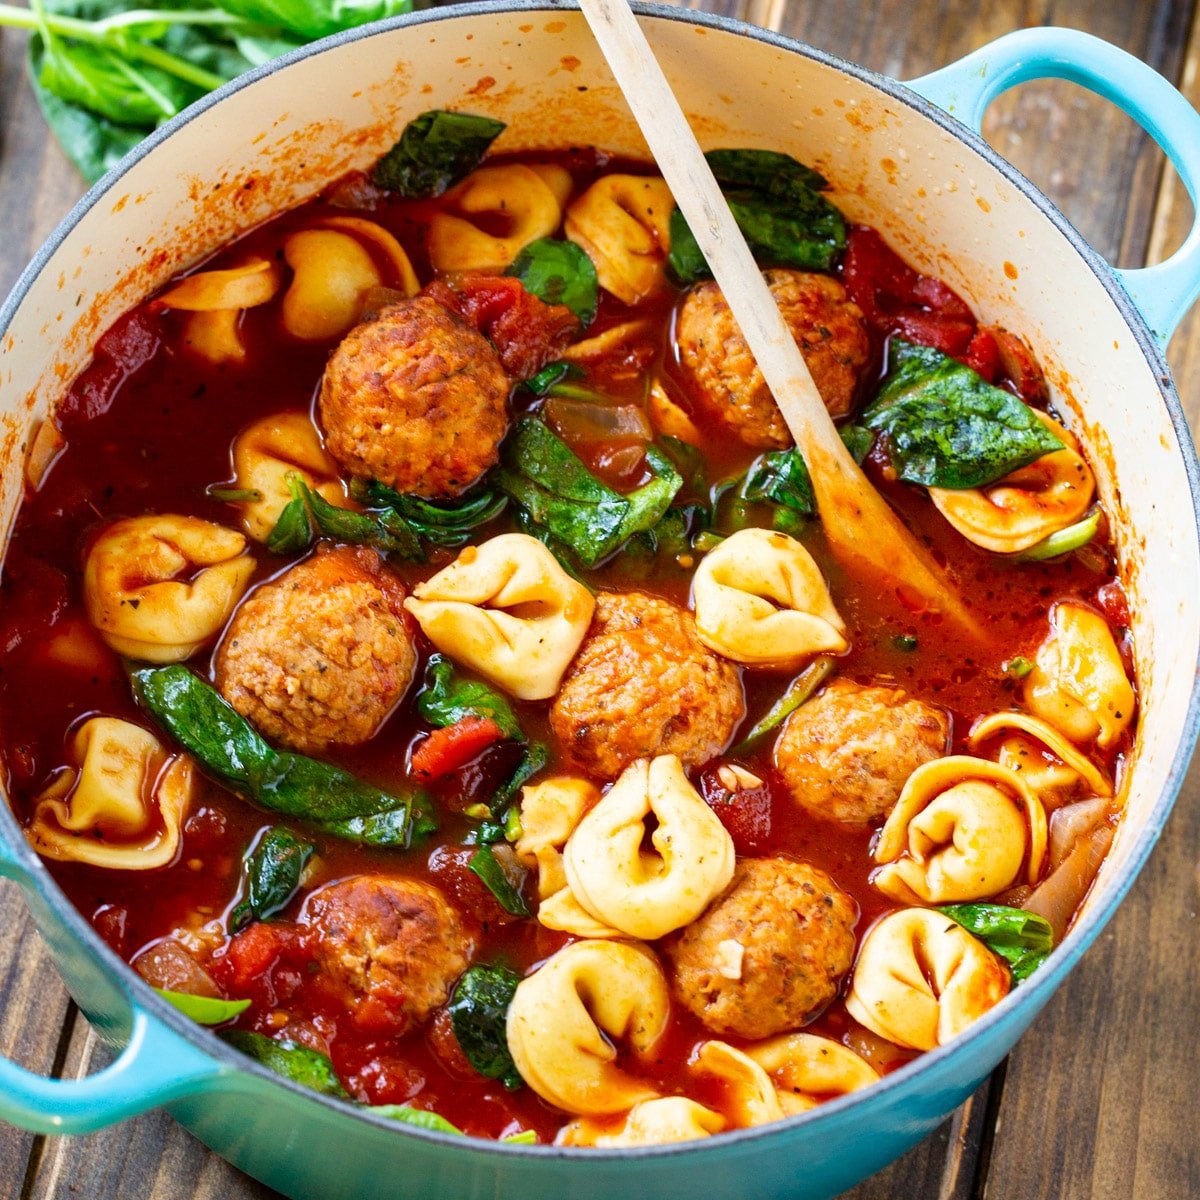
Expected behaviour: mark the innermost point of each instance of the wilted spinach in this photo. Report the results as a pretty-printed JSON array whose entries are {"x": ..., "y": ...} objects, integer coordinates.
[
  {"x": 478, "y": 1011},
  {"x": 558, "y": 272},
  {"x": 273, "y": 872},
  {"x": 1023, "y": 939},
  {"x": 309, "y": 1068},
  {"x": 435, "y": 151}
]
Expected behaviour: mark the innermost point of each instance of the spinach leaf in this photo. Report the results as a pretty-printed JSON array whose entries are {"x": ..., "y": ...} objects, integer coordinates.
[
  {"x": 273, "y": 873},
  {"x": 395, "y": 828},
  {"x": 478, "y": 1011},
  {"x": 440, "y": 524},
  {"x": 294, "y": 1062},
  {"x": 558, "y": 272},
  {"x": 858, "y": 441},
  {"x": 798, "y": 692},
  {"x": 486, "y": 865},
  {"x": 1023, "y": 939},
  {"x": 1063, "y": 541},
  {"x": 447, "y": 698},
  {"x": 689, "y": 462},
  {"x": 557, "y": 492},
  {"x": 551, "y": 374},
  {"x": 777, "y": 204},
  {"x": 312, "y": 19},
  {"x": 293, "y": 530},
  {"x": 945, "y": 427},
  {"x": 422, "y": 1118},
  {"x": 536, "y": 756},
  {"x": 781, "y": 477},
  {"x": 230, "y": 750},
  {"x": 434, "y": 152},
  {"x": 204, "y": 1010}
]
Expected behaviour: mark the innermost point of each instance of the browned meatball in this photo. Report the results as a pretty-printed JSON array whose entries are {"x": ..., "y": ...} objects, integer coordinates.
[
  {"x": 322, "y": 654},
  {"x": 644, "y": 684},
  {"x": 390, "y": 949},
  {"x": 767, "y": 956},
  {"x": 846, "y": 754},
  {"x": 415, "y": 398},
  {"x": 827, "y": 327}
]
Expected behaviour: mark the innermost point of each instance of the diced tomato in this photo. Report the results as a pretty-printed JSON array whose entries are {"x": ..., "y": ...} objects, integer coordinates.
[
  {"x": 448, "y": 866},
  {"x": 251, "y": 954},
  {"x": 445, "y": 750},
  {"x": 374, "y": 1075},
  {"x": 1019, "y": 367},
  {"x": 745, "y": 813},
  {"x": 526, "y": 332},
  {"x": 983, "y": 356},
  {"x": 128, "y": 344},
  {"x": 950, "y": 335},
  {"x": 1113, "y": 603},
  {"x": 36, "y": 596},
  {"x": 444, "y": 1044}
]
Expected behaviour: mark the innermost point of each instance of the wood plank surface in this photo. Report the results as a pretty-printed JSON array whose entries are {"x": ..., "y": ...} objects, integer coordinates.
[{"x": 1098, "y": 1100}]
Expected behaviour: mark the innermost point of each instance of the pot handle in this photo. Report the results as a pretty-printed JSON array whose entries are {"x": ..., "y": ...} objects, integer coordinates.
[
  {"x": 155, "y": 1067},
  {"x": 1162, "y": 293}
]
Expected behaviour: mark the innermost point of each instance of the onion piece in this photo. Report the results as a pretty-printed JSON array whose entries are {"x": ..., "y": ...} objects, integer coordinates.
[
  {"x": 169, "y": 966},
  {"x": 1072, "y": 822},
  {"x": 1059, "y": 896},
  {"x": 583, "y": 421}
]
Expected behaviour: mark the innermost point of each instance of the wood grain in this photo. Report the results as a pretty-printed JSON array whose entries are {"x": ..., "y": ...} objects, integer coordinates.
[{"x": 1098, "y": 1100}]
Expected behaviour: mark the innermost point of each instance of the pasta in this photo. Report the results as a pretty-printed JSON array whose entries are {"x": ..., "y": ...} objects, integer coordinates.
[
  {"x": 1023, "y": 753},
  {"x": 806, "y": 1068},
  {"x": 656, "y": 1122}
]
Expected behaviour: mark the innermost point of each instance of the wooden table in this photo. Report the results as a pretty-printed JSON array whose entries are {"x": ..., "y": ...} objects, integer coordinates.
[{"x": 1099, "y": 1101}]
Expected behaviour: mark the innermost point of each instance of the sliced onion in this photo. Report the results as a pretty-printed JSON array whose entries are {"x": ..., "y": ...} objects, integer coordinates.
[
  {"x": 1069, "y": 824},
  {"x": 168, "y": 965},
  {"x": 583, "y": 421},
  {"x": 1059, "y": 896}
]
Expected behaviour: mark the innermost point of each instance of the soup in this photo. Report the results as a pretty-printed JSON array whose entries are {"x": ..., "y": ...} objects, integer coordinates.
[{"x": 422, "y": 659}]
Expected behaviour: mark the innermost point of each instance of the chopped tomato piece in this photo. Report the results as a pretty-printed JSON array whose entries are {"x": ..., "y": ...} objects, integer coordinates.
[
  {"x": 1019, "y": 367},
  {"x": 252, "y": 952},
  {"x": 983, "y": 355},
  {"x": 130, "y": 343},
  {"x": 445, "y": 750},
  {"x": 950, "y": 335},
  {"x": 745, "y": 812}
]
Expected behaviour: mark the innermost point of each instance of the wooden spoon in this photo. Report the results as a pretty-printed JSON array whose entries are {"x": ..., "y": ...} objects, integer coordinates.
[{"x": 862, "y": 530}]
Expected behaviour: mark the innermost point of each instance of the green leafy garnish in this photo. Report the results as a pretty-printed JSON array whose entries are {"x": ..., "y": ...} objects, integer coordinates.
[
  {"x": 543, "y": 475},
  {"x": 1017, "y": 667},
  {"x": 448, "y": 698},
  {"x": 447, "y": 525},
  {"x": 558, "y": 272},
  {"x": 229, "y": 749},
  {"x": 486, "y": 865},
  {"x": 799, "y": 692},
  {"x": 297, "y": 1063},
  {"x": 420, "y": 1117},
  {"x": 1063, "y": 541},
  {"x": 1022, "y": 939},
  {"x": 858, "y": 440},
  {"x": 435, "y": 151},
  {"x": 781, "y": 477},
  {"x": 777, "y": 204},
  {"x": 273, "y": 872},
  {"x": 204, "y": 1010},
  {"x": 946, "y": 427},
  {"x": 478, "y": 1011}
]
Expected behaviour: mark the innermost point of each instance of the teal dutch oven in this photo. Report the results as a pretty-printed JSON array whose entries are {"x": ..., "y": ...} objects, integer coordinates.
[{"x": 905, "y": 157}]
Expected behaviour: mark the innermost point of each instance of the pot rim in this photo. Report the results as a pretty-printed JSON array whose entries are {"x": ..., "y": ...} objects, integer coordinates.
[{"x": 1034, "y": 993}]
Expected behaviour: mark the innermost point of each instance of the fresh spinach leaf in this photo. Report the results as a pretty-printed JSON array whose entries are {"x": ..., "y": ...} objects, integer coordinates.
[
  {"x": 765, "y": 171},
  {"x": 420, "y": 1117},
  {"x": 689, "y": 462},
  {"x": 1023, "y": 939},
  {"x": 478, "y": 1011},
  {"x": 273, "y": 872},
  {"x": 95, "y": 78},
  {"x": 204, "y": 1010},
  {"x": 858, "y": 440},
  {"x": 312, "y": 19},
  {"x": 447, "y": 698},
  {"x": 946, "y": 427},
  {"x": 486, "y": 865},
  {"x": 558, "y": 272},
  {"x": 397, "y": 828},
  {"x": 556, "y": 490},
  {"x": 293, "y": 530},
  {"x": 434, "y": 152},
  {"x": 297, "y": 1063},
  {"x": 230, "y": 750}
]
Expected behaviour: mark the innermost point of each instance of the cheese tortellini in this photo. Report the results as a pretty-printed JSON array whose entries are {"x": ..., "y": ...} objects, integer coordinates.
[
  {"x": 270, "y": 450},
  {"x": 1078, "y": 682},
  {"x": 921, "y": 979},
  {"x": 648, "y": 893},
  {"x": 158, "y": 587},
  {"x": 760, "y": 599},
  {"x": 960, "y": 831},
  {"x": 462, "y": 610},
  {"x": 623, "y": 223},
  {"x": 1026, "y": 506},
  {"x": 1023, "y": 751},
  {"x": 334, "y": 266},
  {"x": 529, "y": 199},
  {"x": 119, "y": 805},
  {"x": 563, "y": 1016},
  {"x": 657, "y": 1122}
]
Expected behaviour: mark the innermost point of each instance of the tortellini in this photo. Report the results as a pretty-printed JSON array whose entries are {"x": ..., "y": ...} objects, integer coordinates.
[
  {"x": 121, "y": 803},
  {"x": 334, "y": 270},
  {"x": 1026, "y": 506},
  {"x": 1078, "y": 682},
  {"x": 657, "y": 1122},
  {"x": 960, "y": 831},
  {"x": 529, "y": 198},
  {"x": 750, "y": 1097},
  {"x": 760, "y": 599},
  {"x": 136, "y": 598},
  {"x": 648, "y": 893},
  {"x": 623, "y": 223},
  {"x": 266, "y": 453},
  {"x": 1022, "y": 752},
  {"x": 563, "y": 1016},
  {"x": 921, "y": 979},
  {"x": 214, "y": 302},
  {"x": 462, "y": 611}
]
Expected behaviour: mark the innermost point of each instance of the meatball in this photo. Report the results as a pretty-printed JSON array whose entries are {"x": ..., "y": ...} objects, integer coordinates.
[
  {"x": 389, "y": 949},
  {"x": 644, "y": 684},
  {"x": 846, "y": 754},
  {"x": 766, "y": 956},
  {"x": 322, "y": 654},
  {"x": 827, "y": 327},
  {"x": 415, "y": 398}
]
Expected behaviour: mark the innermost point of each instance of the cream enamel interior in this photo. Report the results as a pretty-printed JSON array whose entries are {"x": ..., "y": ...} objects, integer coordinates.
[{"x": 275, "y": 142}]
